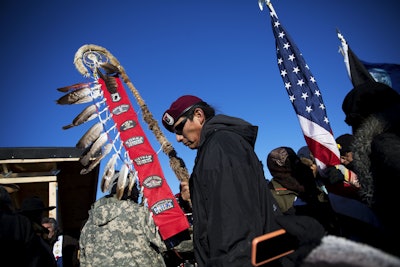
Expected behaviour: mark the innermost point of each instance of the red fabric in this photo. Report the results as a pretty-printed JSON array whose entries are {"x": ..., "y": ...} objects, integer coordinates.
[
  {"x": 344, "y": 189},
  {"x": 167, "y": 214}
]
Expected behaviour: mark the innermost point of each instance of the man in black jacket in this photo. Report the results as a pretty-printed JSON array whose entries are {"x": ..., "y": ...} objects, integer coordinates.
[{"x": 231, "y": 201}]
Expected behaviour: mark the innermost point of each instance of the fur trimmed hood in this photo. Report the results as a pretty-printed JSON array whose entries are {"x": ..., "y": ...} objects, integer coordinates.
[
  {"x": 338, "y": 251},
  {"x": 372, "y": 127}
]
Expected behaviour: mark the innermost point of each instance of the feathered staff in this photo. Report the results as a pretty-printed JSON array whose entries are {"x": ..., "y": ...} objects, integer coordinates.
[
  {"x": 119, "y": 130},
  {"x": 176, "y": 163}
]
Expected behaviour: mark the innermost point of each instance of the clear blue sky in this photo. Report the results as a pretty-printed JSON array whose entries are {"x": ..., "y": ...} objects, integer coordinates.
[{"x": 222, "y": 51}]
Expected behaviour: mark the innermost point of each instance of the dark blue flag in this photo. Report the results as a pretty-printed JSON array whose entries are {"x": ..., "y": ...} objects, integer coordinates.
[
  {"x": 360, "y": 71},
  {"x": 385, "y": 73}
]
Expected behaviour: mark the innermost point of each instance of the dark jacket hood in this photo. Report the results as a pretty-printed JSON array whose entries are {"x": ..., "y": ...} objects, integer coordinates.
[{"x": 237, "y": 125}]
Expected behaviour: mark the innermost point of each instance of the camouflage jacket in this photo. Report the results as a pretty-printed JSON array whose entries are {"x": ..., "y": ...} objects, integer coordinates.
[{"x": 120, "y": 233}]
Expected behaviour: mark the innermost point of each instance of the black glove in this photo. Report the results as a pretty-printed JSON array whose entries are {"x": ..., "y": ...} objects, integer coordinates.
[
  {"x": 308, "y": 233},
  {"x": 333, "y": 175}
]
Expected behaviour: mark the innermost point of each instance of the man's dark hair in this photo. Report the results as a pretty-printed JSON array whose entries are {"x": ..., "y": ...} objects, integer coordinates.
[
  {"x": 209, "y": 111},
  {"x": 50, "y": 220}
]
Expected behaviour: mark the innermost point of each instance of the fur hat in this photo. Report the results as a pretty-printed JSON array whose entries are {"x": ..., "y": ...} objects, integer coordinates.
[
  {"x": 281, "y": 160},
  {"x": 366, "y": 99},
  {"x": 344, "y": 143},
  {"x": 177, "y": 109}
]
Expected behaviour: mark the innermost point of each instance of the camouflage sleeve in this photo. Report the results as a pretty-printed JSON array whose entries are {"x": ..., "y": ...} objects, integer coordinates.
[
  {"x": 152, "y": 230},
  {"x": 186, "y": 245},
  {"x": 83, "y": 260}
]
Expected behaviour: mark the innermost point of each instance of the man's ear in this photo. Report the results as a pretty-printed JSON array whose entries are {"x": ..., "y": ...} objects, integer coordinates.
[{"x": 199, "y": 113}]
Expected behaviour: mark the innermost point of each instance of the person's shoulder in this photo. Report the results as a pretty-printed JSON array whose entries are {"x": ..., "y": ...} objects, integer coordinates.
[
  {"x": 17, "y": 221},
  {"x": 274, "y": 184},
  {"x": 132, "y": 210},
  {"x": 21, "y": 219},
  {"x": 102, "y": 201}
]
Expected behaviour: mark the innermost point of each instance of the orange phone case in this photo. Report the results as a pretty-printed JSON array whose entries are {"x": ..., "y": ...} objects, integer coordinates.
[{"x": 264, "y": 238}]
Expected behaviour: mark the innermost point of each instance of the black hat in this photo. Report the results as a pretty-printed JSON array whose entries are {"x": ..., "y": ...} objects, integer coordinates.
[
  {"x": 366, "y": 99},
  {"x": 34, "y": 204},
  {"x": 304, "y": 152},
  {"x": 344, "y": 143}
]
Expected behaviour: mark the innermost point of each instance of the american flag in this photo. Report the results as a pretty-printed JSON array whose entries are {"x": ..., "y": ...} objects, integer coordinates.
[{"x": 305, "y": 97}]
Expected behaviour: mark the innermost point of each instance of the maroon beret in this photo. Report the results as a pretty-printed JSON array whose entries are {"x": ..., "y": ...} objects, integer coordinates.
[{"x": 177, "y": 109}]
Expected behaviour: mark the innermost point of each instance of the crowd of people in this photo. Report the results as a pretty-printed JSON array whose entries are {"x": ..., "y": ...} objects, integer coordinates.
[
  {"x": 228, "y": 200},
  {"x": 233, "y": 203}
]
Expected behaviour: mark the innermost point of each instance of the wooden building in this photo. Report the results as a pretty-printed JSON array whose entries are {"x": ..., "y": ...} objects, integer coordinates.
[{"x": 53, "y": 174}]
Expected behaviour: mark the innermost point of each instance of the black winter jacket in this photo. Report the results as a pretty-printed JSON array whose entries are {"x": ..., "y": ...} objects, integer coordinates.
[{"x": 231, "y": 200}]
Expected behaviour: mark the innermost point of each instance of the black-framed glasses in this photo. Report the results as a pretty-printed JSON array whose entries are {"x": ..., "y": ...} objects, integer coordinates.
[{"x": 179, "y": 128}]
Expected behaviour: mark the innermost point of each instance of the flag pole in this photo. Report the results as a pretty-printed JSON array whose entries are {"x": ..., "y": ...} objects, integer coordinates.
[
  {"x": 344, "y": 51},
  {"x": 268, "y": 4}
]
